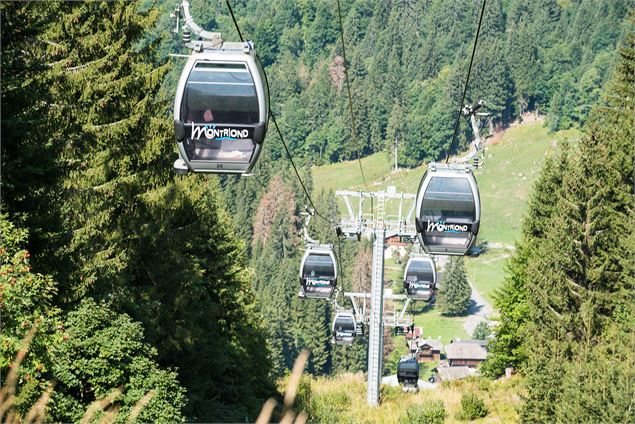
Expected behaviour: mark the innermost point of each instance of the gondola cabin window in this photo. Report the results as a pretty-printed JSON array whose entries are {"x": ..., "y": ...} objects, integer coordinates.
[
  {"x": 225, "y": 89},
  {"x": 449, "y": 198}
]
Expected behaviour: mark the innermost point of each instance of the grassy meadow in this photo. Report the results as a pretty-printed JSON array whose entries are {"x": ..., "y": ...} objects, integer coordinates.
[{"x": 342, "y": 399}]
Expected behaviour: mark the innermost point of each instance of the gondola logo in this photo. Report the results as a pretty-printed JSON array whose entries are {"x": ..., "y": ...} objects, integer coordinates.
[
  {"x": 416, "y": 285},
  {"x": 441, "y": 226},
  {"x": 211, "y": 132},
  {"x": 316, "y": 282}
]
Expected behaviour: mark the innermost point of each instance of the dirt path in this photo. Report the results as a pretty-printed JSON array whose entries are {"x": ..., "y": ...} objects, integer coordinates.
[
  {"x": 480, "y": 310},
  {"x": 501, "y": 246}
]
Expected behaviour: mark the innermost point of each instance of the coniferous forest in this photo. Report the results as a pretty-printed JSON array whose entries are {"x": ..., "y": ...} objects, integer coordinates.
[{"x": 122, "y": 274}]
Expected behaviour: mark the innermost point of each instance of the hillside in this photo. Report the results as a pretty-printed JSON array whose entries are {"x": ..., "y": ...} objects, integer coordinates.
[
  {"x": 129, "y": 293},
  {"x": 514, "y": 158}
]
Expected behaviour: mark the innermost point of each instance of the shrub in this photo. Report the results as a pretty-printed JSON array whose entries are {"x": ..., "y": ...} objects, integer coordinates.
[
  {"x": 330, "y": 407},
  {"x": 472, "y": 407},
  {"x": 429, "y": 412}
]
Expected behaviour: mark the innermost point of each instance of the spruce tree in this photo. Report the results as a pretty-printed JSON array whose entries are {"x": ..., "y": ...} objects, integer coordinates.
[
  {"x": 159, "y": 248},
  {"x": 30, "y": 167},
  {"x": 508, "y": 348},
  {"x": 580, "y": 284},
  {"x": 455, "y": 293}
]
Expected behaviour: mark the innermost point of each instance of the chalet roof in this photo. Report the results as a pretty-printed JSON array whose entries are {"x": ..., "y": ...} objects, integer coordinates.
[
  {"x": 433, "y": 343},
  {"x": 465, "y": 350},
  {"x": 482, "y": 343},
  {"x": 455, "y": 373}
]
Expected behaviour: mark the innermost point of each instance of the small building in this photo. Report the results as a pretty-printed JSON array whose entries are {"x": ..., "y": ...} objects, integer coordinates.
[
  {"x": 413, "y": 335},
  {"x": 430, "y": 350},
  {"x": 465, "y": 353},
  {"x": 427, "y": 350}
]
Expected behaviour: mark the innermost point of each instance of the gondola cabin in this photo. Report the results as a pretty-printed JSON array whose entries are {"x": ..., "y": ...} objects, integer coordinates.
[
  {"x": 344, "y": 328},
  {"x": 420, "y": 278},
  {"x": 408, "y": 372},
  {"x": 448, "y": 210},
  {"x": 221, "y": 111},
  {"x": 318, "y": 273}
]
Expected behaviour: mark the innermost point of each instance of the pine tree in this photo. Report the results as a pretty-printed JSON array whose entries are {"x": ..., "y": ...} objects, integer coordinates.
[{"x": 455, "y": 293}]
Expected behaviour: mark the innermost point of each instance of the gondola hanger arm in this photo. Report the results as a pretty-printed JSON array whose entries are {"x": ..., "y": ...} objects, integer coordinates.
[
  {"x": 477, "y": 144},
  {"x": 305, "y": 228},
  {"x": 215, "y": 37},
  {"x": 203, "y": 40}
]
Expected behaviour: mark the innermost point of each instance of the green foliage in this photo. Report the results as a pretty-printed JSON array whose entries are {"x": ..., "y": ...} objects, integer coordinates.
[
  {"x": 567, "y": 315},
  {"x": 455, "y": 292},
  {"x": 88, "y": 352},
  {"x": 111, "y": 222},
  {"x": 407, "y": 65},
  {"x": 428, "y": 412},
  {"x": 508, "y": 347},
  {"x": 25, "y": 302},
  {"x": 102, "y": 350},
  {"x": 472, "y": 407},
  {"x": 482, "y": 331},
  {"x": 328, "y": 407}
]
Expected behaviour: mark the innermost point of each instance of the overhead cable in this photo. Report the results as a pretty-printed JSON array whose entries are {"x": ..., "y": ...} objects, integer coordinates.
[{"x": 467, "y": 82}]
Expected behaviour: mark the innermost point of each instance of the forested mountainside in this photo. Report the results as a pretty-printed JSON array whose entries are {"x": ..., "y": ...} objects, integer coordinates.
[
  {"x": 408, "y": 61},
  {"x": 186, "y": 287}
]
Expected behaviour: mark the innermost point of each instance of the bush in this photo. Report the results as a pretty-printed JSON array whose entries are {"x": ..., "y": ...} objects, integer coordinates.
[
  {"x": 429, "y": 412},
  {"x": 329, "y": 408},
  {"x": 388, "y": 393},
  {"x": 472, "y": 407}
]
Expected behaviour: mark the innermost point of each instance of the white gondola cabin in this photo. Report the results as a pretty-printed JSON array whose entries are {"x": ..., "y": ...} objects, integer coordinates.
[
  {"x": 420, "y": 278},
  {"x": 448, "y": 210},
  {"x": 318, "y": 273},
  {"x": 221, "y": 110},
  {"x": 344, "y": 328}
]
